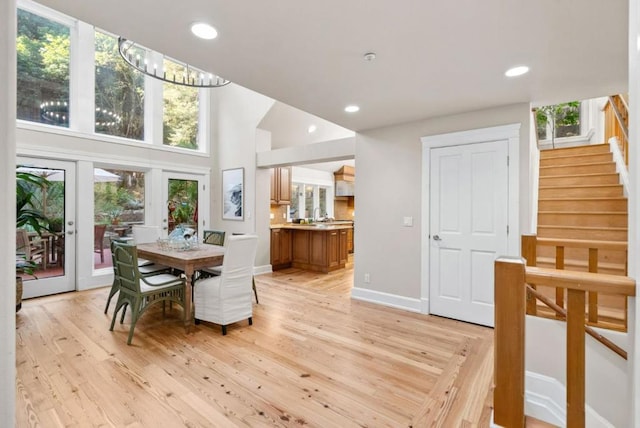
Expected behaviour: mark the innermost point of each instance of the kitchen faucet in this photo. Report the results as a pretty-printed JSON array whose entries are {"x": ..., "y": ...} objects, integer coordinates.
[{"x": 314, "y": 214}]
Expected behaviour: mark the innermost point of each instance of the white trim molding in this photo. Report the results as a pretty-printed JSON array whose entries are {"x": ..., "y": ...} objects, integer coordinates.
[{"x": 386, "y": 299}]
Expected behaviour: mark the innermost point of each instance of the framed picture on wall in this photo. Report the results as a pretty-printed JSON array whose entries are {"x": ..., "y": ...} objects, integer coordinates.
[{"x": 233, "y": 194}]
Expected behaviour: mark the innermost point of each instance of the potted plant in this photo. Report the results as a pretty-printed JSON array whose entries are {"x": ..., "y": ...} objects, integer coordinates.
[{"x": 26, "y": 216}]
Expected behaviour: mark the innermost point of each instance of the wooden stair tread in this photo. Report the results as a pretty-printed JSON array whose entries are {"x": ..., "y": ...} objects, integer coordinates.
[
  {"x": 590, "y": 148},
  {"x": 581, "y": 186},
  {"x": 585, "y": 198},
  {"x": 584, "y": 212},
  {"x": 617, "y": 229},
  {"x": 575, "y": 164},
  {"x": 531, "y": 422}
]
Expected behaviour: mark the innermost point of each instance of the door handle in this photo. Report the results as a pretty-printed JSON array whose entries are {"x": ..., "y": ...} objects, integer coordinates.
[{"x": 436, "y": 238}]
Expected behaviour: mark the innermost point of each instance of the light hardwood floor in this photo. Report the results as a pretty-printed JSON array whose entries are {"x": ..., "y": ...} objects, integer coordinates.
[{"x": 313, "y": 357}]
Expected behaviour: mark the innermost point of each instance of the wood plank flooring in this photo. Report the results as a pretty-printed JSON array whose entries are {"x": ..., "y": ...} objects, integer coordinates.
[{"x": 313, "y": 358}]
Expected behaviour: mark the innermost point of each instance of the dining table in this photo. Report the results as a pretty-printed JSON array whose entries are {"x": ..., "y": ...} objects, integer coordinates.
[{"x": 188, "y": 261}]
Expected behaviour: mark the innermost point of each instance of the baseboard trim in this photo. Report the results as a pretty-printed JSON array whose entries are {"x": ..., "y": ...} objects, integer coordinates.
[
  {"x": 258, "y": 270},
  {"x": 542, "y": 395},
  {"x": 386, "y": 299},
  {"x": 545, "y": 399}
]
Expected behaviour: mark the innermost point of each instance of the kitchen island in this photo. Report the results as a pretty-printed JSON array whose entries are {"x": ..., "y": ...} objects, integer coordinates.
[{"x": 319, "y": 247}]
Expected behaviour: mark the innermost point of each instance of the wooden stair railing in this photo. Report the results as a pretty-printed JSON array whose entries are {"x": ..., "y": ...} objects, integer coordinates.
[
  {"x": 529, "y": 245},
  {"x": 511, "y": 277},
  {"x": 616, "y": 120}
]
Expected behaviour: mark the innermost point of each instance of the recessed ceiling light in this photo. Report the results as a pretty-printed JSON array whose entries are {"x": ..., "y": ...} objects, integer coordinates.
[
  {"x": 311, "y": 129},
  {"x": 204, "y": 31},
  {"x": 517, "y": 71},
  {"x": 351, "y": 109}
]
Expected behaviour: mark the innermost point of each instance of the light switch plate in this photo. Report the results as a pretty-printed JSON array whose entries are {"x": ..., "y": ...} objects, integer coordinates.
[{"x": 407, "y": 221}]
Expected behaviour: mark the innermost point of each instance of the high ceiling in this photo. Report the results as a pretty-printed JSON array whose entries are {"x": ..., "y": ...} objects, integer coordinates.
[{"x": 433, "y": 57}]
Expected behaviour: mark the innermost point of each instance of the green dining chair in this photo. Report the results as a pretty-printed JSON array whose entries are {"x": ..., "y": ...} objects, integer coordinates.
[{"x": 141, "y": 292}]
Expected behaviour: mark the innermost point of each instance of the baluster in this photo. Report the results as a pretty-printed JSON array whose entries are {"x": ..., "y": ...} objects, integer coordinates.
[
  {"x": 575, "y": 358},
  {"x": 593, "y": 296},
  {"x": 559, "y": 265},
  {"x": 529, "y": 252}
]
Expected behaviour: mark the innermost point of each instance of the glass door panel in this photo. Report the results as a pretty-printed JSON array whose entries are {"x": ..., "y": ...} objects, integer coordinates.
[
  {"x": 183, "y": 194},
  {"x": 50, "y": 254}
]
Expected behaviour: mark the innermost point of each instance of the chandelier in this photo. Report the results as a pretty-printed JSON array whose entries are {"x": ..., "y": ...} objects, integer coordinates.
[{"x": 185, "y": 75}]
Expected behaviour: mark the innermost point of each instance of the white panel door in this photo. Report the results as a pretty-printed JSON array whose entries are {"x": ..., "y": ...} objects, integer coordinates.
[{"x": 468, "y": 230}]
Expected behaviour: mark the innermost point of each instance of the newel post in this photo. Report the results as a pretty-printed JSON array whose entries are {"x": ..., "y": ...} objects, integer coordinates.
[{"x": 508, "y": 396}]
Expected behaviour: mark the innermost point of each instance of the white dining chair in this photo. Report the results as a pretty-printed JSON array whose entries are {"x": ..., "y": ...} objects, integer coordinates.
[{"x": 227, "y": 298}]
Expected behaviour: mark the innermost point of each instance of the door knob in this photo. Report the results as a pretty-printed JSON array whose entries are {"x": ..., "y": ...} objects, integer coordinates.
[{"x": 436, "y": 238}]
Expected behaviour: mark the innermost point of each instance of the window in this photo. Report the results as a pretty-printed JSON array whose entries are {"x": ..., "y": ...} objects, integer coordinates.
[
  {"x": 310, "y": 203},
  {"x": 180, "y": 110},
  {"x": 119, "y": 92},
  {"x": 42, "y": 48},
  {"x": 559, "y": 121}
]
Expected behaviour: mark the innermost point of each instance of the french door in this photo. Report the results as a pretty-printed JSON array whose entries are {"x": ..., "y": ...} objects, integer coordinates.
[
  {"x": 186, "y": 204},
  {"x": 52, "y": 253}
]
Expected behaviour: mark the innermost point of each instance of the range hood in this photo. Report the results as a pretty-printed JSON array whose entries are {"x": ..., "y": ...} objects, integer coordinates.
[{"x": 345, "y": 179}]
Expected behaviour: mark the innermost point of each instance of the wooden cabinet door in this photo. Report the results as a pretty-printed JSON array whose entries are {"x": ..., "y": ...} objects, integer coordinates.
[
  {"x": 333, "y": 248},
  {"x": 284, "y": 185},
  {"x": 343, "y": 246},
  {"x": 275, "y": 246},
  {"x": 300, "y": 243},
  {"x": 274, "y": 186},
  {"x": 318, "y": 248},
  {"x": 285, "y": 246},
  {"x": 350, "y": 240}
]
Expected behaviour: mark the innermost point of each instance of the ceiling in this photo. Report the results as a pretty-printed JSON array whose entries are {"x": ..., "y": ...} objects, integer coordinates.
[{"x": 433, "y": 57}]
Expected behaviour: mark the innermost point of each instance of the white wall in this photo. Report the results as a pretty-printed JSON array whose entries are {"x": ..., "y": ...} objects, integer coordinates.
[
  {"x": 389, "y": 188},
  {"x": 607, "y": 393},
  {"x": 7, "y": 212},
  {"x": 634, "y": 203},
  {"x": 236, "y": 113}
]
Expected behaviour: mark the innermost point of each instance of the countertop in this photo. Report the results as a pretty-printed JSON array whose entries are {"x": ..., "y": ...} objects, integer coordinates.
[{"x": 333, "y": 225}]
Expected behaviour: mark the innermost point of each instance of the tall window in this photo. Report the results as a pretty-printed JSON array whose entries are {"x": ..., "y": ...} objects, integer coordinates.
[
  {"x": 42, "y": 48},
  {"x": 119, "y": 92},
  {"x": 181, "y": 111}
]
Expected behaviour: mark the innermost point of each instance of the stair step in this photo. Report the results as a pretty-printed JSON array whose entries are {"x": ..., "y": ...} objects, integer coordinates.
[
  {"x": 583, "y": 232},
  {"x": 582, "y": 218},
  {"x": 570, "y": 151},
  {"x": 561, "y": 192},
  {"x": 592, "y": 179},
  {"x": 577, "y": 159},
  {"x": 584, "y": 204},
  {"x": 584, "y": 168},
  {"x": 604, "y": 256}
]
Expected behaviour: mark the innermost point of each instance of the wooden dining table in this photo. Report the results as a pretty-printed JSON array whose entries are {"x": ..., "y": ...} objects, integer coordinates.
[{"x": 187, "y": 261}]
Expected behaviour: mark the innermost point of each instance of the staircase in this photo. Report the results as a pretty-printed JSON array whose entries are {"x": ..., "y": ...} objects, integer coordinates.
[{"x": 580, "y": 197}]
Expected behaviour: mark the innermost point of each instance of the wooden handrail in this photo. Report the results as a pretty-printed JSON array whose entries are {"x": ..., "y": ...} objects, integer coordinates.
[
  {"x": 616, "y": 119},
  {"x": 511, "y": 275},
  {"x": 583, "y": 281},
  {"x": 529, "y": 252},
  {"x": 590, "y": 331}
]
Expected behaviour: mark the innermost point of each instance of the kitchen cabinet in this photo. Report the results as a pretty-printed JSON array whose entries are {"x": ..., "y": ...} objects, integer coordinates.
[
  {"x": 311, "y": 247},
  {"x": 350, "y": 240},
  {"x": 281, "y": 186},
  {"x": 280, "y": 248}
]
